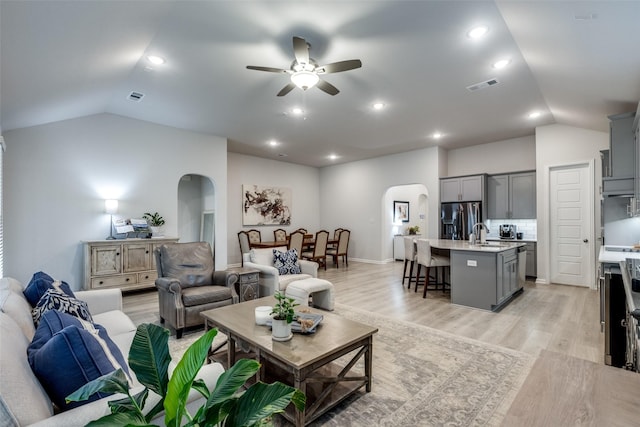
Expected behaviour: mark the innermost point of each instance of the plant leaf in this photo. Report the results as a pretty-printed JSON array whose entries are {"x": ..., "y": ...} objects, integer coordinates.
[
  {"x": 113, "y": 382},
  {"x": 262, "y": 400},
  {"x": 119, "y": 419},
  {"x": 183, "y": 376},
  {"x": 126, "y": 404},
  {"x": 149, "y": 357}
]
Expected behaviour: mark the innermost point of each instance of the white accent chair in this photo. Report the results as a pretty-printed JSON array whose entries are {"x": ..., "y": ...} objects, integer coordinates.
[{"x": 270, "y": 279}]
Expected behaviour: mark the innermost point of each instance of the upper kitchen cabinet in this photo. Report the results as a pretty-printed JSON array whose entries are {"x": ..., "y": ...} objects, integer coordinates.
[
  {"x": 622, "y": 157},
  {"x": 462, "y": 189},
  {"x": 511, "y": 196}
]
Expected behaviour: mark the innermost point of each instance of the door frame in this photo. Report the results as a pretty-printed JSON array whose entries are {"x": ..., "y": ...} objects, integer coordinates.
[{"x": 590, "y": 163}]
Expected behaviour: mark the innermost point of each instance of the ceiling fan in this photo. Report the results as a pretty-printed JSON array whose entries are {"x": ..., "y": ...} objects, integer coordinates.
[{"x": 305, "y": 71}]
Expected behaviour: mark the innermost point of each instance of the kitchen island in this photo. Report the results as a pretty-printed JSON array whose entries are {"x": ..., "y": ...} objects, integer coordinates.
[{"x": 483, "y": 275}]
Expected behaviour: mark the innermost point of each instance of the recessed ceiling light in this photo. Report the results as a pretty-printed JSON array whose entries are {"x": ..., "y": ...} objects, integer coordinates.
[
  {"x": 297, "y": 111},
  {"x": 478, "y": 32},
  {"x": 436, "y": 135},
  {"x": 501, "y": 63},
  {"x": 378, "y": 105},
  {"x": 534, "y": 115},
  {"x": 156, "y": 60},
  {"x": 332, "y": 157},
  {"x": 273, "y": 143}
]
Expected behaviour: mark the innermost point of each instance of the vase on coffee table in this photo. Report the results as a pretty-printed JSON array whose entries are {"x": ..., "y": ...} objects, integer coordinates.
[{"x": 281, "y": 330}]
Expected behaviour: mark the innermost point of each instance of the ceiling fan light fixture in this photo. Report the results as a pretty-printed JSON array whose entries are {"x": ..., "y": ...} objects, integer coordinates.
[{"x": 304, "y": 79}]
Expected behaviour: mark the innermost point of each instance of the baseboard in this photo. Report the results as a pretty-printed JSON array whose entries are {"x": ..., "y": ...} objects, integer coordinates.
[{"x": 370, "y": 261}]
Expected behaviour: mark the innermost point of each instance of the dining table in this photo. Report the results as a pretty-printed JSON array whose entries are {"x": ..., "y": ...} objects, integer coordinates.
[{"x": 306, "y": 243}]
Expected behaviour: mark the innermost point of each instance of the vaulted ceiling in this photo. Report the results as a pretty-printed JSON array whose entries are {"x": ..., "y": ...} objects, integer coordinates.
[{"x": 573, "y": 62}]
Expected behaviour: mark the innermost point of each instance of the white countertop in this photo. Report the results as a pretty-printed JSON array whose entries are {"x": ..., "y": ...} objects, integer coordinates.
[
  {"x": 497, "y": 239},
  {"x": 607, "y": 256},
  {"x": 463, "y": 245}
]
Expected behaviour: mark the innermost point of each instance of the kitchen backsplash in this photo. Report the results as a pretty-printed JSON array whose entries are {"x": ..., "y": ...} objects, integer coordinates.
[{"x": 528, "y": 227}]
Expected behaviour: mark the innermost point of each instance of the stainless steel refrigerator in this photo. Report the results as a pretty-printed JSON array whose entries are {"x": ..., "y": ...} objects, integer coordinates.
[{"x": 457, "y": 219}]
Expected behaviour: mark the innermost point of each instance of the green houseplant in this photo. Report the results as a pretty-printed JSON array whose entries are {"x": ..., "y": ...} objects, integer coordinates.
[
  {"x": 225, "y": 406},
  {"x": 283, "y": 314},
  {"x": 413, "y": 230},
  {"x": 155, "y": 221}
]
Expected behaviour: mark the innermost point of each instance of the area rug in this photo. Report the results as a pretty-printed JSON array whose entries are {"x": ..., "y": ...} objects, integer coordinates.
[{"x": 424, "y": 377}]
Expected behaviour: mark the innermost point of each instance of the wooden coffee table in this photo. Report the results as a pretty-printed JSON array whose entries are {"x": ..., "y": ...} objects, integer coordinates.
[{"x": 307, "y": 362}]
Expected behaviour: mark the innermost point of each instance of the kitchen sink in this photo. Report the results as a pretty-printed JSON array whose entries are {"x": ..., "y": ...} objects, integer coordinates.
[{"x": 490, "y": 243}]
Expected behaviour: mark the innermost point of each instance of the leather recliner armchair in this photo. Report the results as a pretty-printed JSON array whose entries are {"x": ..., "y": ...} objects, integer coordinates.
[{"x": 188, "y": 285}]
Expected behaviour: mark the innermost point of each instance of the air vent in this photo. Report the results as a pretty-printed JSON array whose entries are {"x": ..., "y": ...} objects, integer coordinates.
[
  {"x": 482, "y": 85},
  {"x": 136, "y": 96}
]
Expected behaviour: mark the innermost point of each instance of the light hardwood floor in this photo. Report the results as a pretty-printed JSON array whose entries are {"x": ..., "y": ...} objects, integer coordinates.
[{"x": 559, "y": 325}]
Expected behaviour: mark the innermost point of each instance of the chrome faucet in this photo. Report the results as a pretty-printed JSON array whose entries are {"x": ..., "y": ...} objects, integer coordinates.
[{"x": 478, "y": 237}]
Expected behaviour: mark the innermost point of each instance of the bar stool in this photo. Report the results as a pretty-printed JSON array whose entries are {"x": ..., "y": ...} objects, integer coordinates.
[
  {"x": 409, "y": 258},
  {"x": 426, "y": 258}
]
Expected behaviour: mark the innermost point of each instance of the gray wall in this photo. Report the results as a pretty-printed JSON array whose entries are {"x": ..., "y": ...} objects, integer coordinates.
[
  {"x": 302, "y": 180},
  {"x": 58, "y": 175}
]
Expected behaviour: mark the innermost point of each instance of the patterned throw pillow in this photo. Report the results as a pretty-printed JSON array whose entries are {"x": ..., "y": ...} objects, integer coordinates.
[
  {"x": 286, "y": 262},
  {"x": 40, "y": 283},
  {"x": 54, "y": 299},
  {"x": 71, "y": 358}
]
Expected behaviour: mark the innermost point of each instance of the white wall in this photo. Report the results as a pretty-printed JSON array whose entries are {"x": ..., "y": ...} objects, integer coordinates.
[
  {"x": 302, "y": 180},
  {"x": 57, "y": 177},
  {"x": 511, "y": 155},
  {"x": 352, "y": 196},
  {"x": 417, "y": 196},
  {"x": 557, "y": 145}
]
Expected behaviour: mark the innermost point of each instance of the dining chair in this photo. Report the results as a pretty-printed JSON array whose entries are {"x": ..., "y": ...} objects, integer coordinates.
[
  {"x": 279, "y": 235},
  {"x": 295, "y": 241},
  {"x": 245, "y": 247},
  {"x": 409, "y": 259},
  {"x": 341, "y": 249},
  {"x": 319, "y": 252},
  {"x": 336, "y": 236},
  {"x": 254, "y": 236},
  {"x": 426, "y": 258}
]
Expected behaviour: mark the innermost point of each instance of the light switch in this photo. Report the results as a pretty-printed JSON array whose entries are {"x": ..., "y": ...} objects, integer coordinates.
[{"x": 472, "y": 263}]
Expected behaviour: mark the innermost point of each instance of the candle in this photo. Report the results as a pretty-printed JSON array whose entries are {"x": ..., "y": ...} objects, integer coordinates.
[{"x": 263, "y": 313}]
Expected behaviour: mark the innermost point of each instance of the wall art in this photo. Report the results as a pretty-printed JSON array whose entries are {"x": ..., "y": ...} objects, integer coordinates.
[
  {"x": 266, "y": 205},
  {"x": 400, "y": 212}
]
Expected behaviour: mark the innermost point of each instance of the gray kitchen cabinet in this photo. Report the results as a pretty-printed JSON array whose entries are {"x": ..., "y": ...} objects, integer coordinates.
[
  {"x": 511, "y": 196},
  {"x": 485, "y": 280},
  {"x": 462, "y": 189},
  {"x": 620, "y": 181}
]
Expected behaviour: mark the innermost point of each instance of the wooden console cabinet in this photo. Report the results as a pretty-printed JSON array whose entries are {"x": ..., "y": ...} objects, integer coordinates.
[{"x": 127, "y": 264}]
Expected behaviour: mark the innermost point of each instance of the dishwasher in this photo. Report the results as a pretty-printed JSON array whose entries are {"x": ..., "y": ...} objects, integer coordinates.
[{"x": 522, "y": 265}]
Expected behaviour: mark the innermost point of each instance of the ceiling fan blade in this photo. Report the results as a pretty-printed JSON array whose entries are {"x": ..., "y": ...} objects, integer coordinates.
[
  {"x": 285, "y": 90},
  {"x": 269, "y": 69},
  {"x": 337, "y": 67},
  {"x": 327, "y": 87},
  {"x": 301, "y": 50}
]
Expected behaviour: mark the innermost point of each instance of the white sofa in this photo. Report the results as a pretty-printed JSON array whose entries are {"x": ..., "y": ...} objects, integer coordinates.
[
  {"x": 23, "y": 400},
  {"x": 270, "y": 280}
]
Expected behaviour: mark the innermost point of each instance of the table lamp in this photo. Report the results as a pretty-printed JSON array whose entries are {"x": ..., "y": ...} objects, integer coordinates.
[{"x": 111, "y": 207}]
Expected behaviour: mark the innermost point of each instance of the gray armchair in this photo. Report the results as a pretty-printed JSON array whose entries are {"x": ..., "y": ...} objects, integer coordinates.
[{"x": 187, "y": 284}]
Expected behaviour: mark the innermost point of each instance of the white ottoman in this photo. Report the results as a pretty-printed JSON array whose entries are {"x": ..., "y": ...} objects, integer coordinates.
[{"x": 320, "y": 290}]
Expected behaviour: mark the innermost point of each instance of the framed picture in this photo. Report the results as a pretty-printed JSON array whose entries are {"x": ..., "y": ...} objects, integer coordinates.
[
  {"x": 400, "y": 211},
  {"x": 266, "y": 205}
]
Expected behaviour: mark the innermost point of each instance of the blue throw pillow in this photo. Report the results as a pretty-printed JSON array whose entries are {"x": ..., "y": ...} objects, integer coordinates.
[
  {"x": 39, "y": 284},
  {"x": 286, "y": 262},
  {"x": 52, "y": 322},
  {"x": 54, "y": 299},
  {"x": 71, "y": 358}
]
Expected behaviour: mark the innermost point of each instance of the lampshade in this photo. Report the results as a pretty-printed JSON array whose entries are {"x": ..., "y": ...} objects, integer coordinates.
[
  {"x": 304, "y": 79},
  {"x": 111, "y": 206}
]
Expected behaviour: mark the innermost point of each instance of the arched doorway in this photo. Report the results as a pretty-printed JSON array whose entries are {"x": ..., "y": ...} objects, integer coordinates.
[
  {"x": 196, "y": 203},
  {"x": 417, "y": 197}
]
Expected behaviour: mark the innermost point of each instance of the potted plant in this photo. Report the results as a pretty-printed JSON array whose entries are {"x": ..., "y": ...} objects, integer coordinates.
[
  {"x": 155, "y": 221},
  {"x": 283, "y": 315},
  {"x": 226, "y": 404},
  {"x": 413, "y": 230}
]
